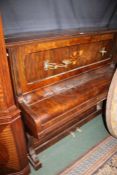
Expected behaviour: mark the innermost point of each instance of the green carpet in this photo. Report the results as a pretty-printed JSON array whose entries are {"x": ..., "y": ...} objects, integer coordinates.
[
  {"x": 63, "y": 153},
  {"x": 94, "y": 159}
]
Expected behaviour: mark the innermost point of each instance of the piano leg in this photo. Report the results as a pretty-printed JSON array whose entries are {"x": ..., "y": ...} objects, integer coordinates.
[{"x": 32, "y": 156}]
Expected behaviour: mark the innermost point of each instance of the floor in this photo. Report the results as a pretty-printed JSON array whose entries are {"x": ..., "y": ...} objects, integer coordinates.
[{"x": 65, "y": 152}]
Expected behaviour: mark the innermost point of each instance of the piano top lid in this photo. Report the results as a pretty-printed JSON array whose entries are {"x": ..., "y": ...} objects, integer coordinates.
[{"x": 29, "y": 37}]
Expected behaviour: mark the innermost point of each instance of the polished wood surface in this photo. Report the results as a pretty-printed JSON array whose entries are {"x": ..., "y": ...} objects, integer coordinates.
[
  {"x": 60, "y": 81},
  {"x": 54, "y": 109},
  {"x": 29, "y": 37},
  {"x": 76, "y": 56},
  {"x": 13, "y": 154},
  {"x": 32, "y": 56}
]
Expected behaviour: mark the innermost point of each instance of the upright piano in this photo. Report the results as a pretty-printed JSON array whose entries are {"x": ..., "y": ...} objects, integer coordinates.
[{"x": 60, "y": 80}]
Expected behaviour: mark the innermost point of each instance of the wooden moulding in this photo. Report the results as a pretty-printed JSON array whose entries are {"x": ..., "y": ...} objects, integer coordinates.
[{"x": 13, "y": 153}]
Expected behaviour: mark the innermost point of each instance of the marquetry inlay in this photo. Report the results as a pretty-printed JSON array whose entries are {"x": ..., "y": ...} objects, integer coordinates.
[{"x": 103, "y": 51}]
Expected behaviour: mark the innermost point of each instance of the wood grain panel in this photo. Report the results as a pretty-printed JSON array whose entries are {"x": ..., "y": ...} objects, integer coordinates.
[
  {"x": 79, "y": 54},
  {"x": 27, "y": 61},
  {"x": 65, "y": 96},
  {"x": 8, "y": 142}
]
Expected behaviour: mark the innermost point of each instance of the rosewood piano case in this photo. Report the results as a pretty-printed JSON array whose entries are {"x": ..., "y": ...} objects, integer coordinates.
[{"x": 60, "y": 79}]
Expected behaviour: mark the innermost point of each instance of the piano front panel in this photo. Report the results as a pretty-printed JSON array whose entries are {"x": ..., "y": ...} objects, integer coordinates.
[
  {"x": 45, "y": 64},
  {"x": 40, "y": 63}
]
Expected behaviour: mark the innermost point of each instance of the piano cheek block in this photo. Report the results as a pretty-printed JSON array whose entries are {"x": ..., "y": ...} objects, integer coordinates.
[{"x": 59, "y": 82}]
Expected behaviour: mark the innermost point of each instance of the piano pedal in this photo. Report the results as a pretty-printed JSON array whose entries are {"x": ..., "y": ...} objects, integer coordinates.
[
  {"x": 78, "y": 129},
  {"x": 72, "y": 134}
]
